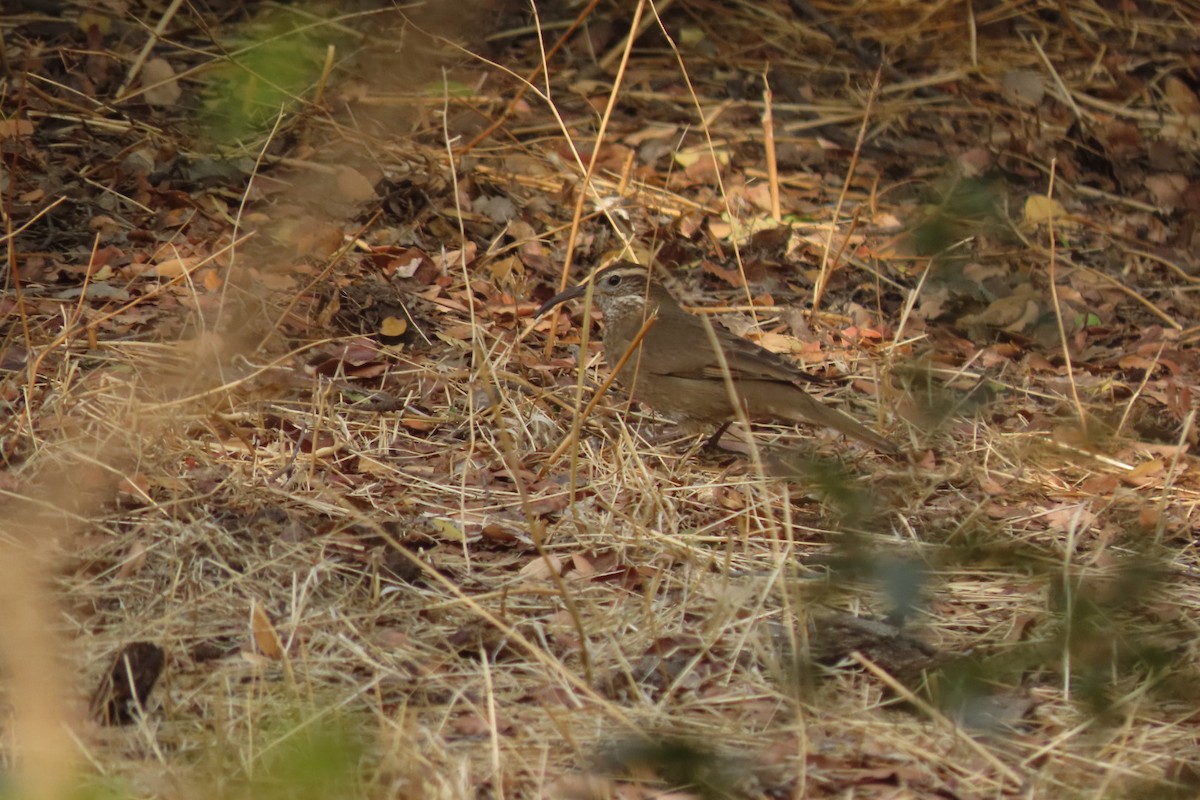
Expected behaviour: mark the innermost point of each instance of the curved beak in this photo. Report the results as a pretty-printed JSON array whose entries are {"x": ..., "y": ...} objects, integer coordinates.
[{"x": 562, "y": 297}]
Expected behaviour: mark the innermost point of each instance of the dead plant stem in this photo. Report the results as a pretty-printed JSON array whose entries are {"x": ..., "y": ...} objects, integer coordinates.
[
  {"x": 1058, "y": 315},
  {"x": 828, "y": 263}
]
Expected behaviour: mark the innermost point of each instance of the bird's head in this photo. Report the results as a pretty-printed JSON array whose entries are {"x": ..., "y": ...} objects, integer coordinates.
[{"x": 619, "y": 288}]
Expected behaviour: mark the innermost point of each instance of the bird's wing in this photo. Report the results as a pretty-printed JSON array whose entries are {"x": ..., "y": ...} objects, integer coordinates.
[{"x": 746, "y": 361}]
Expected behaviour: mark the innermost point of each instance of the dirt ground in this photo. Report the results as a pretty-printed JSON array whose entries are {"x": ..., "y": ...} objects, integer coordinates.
[{"x": 302, "y": 499}]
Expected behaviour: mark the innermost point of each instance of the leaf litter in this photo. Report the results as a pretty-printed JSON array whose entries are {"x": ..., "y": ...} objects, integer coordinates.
[{"x": 268, "y": 315}]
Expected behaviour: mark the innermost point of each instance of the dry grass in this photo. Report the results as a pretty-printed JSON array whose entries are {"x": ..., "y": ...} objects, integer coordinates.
[{"x": 422, "y": 602}]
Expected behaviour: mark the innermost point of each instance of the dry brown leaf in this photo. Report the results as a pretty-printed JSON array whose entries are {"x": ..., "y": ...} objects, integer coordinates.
[
  {"x": 505, "y": 272},
  {"x": 1011, "y": 313},
  {"x": 134, "y": 489},
  {"x": 406, "y": 263},
  {"x": 698, "y": 167},
  {"x": 1180, "y": 97},
  {"x": 92, "y": 19},
  {"x": 1025, "y": 86},
  {"x": 1101, "y": 484},
  {"x": 173, "y": 267},
  {"x": 448, "y": 528},
  {"x": 1042, "y": 210},
  {"x": 471, "y": 724},
  {"x": 780, "y": 343},
  {"x": 13, "y": 128},
  {"x": 727, "y": 498},
  {"x": 1068, "y": 518},
  {"x": 1136, "y": 362},
  {"x": 392, "y": 327},
  {"x": 1167, "y": 189},
  {"x": 353, "y": 186},
  {"x": 265, "y": 638},
  {"x": 158, "y": 76},
  {"x": 991, "y": 487},
  {"x": 1145, "y": 472},
  {"x": 133, "y": 561},
  {"x": 540, "y": 568}
]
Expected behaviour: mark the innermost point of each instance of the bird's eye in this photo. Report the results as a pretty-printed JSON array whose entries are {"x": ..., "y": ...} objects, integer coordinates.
[{"x": 613, "y": 280}]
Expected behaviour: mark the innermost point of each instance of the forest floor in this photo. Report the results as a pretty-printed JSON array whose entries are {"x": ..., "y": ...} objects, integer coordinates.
[{"x": 280, "y": 423}]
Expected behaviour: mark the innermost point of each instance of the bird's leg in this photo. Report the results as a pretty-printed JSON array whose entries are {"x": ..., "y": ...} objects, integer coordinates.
[{"x": 713, "y": 442}]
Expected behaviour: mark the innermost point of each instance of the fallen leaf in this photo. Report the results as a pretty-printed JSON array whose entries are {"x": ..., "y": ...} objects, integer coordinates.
[
  {"x": 173, "y": 267},
  {"x": 91, "y": 19},
  {"x": 691, "y": 35},
  {"x": 1042, "y": 210},
  {"x": 1146, "y": 471},
  {"x": 1066, "y": 518},
  {"x": 541, "y": 568},
  {"x": 1101, "y": 484},
  {"x": 134, "y": 489},
  {"x": 505, "y": 271},
  {"x": 265, "y": 637},
  {"x": 1167, "y": 189},
  {"x": 780, "y": 343},
  {"x": 353, "y": 186},
  {"x": 211, "y": 280},
  {"x": 447, "y": 528},
  {"x": 1025, "y": 86},
  {"x": 133, "y": 562},
  {"x": 393, "y": 327},
  {"x": 1181, "y": 98},
  {"x": 496, "y": 207},
  {"x": 12, "y": 128},
  {"x": 161, "y": 87}
]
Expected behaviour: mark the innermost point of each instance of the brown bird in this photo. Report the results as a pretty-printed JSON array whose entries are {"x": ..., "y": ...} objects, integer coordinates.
[{"x": 675, "y": 368}]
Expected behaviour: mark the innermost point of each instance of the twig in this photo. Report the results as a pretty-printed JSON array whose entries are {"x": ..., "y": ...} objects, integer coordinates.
[
  {"x": 601, "y": 131},
  {"x": 326, "y": 69},
  {"x": 1062, "y": 330},
  {"x": 140, "y": 61},
  {"x": 768, "y": 120},
  {"x": 621, "y": 49},
  {"x": 1063, "y": 91},
  {"x": 577, "y": 423},
  {"x": 826, "y": 261},
  {"x": 529, "y": 79}
]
